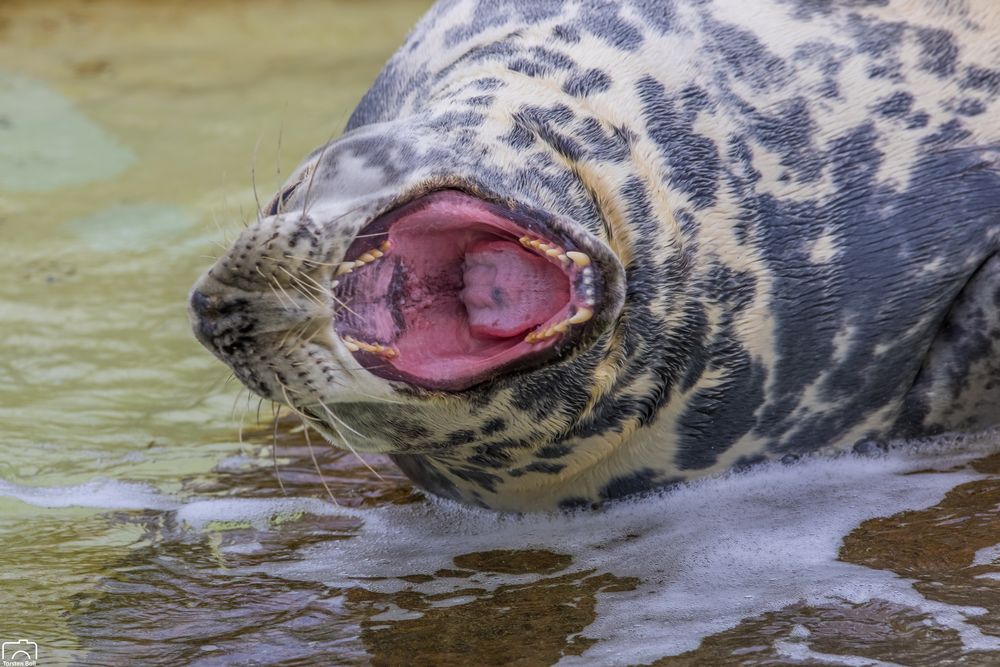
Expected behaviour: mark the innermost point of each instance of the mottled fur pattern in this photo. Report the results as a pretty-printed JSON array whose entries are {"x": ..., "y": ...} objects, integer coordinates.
[{"x": 803, "y": 196}]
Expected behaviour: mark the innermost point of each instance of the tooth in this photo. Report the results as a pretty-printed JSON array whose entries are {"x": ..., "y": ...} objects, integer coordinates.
[
  {"x": 386, "y": 246},
  {"x": 355, "y": 345},
  {"x": 376, "y": 253},
  {"x": 578, "y": 258},
  {"x": 367, "y": 257},
  {"x": 581, "y": 316},
  {"x": 345, "y": 267},
  {"x": 553, "y": 252}
]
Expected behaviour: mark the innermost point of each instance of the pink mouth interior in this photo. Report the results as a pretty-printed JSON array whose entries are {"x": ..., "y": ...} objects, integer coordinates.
[{"x": 455, "y": 294}]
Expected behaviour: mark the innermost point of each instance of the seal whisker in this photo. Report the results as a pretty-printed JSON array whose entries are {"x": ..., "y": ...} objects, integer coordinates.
[
  {"x": 274, "y": 446},
  {"x": 306, "y": 276},
  {"x": 347, "y": 443},
  {"x": 283, "y": 291},
  {"x": 281, "y": 132},
  {"x": 304, "y": 291},
  {"x": 311, "y": 293},
  {"x": 277, "y": 296},
  {"x": 293, "y": 333},
  {"x": 285, "y": 389},
  {"x": 260, "y": 404},
  {"x": 312, "y": 176},
  {"x": 232, "y": 417},
  {"x": 312, "y": 455},
  {"x": 305, "y": 432},
  {"x": 253, "y": 177}
]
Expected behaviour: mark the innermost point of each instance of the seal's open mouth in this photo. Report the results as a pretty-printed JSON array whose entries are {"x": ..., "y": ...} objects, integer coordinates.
[{"x": 448, "y": 290}]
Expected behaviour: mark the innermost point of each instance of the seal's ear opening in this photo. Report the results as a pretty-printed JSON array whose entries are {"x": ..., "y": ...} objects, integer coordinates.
[{"x": 448, "y": 290}]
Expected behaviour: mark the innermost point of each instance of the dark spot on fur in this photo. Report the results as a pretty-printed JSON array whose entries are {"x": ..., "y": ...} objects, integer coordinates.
[
  {"x": 539, "y": 467},
  {"x": 693, "y": 159},
  {"x": 566, "y": 33},
  {"x": 642, "y": 481},
  {"x": 981, "y": 78},
  {"x": 556, "y": 451},
  {"x": 897, "y": 104},
  {"x": 424, "y": 474},
  {"x": 938, "y": 51},
  {"x": 493, "y": 425},
  {"x": 461, "y": 437},
  {"x": 575, "y": 503},
  {"x": 587, "y": 83},
  {"x": 601, "y": 19},
  {"x": 970, "y": 107},
  {"x": 918, "y": 120},
  {"x": 657, "y": 14}
]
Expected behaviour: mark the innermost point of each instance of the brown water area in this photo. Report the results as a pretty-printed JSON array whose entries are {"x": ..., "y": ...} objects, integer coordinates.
[
  {"x": 152, "y": 512},
  {"x": 936, "y": 547}
]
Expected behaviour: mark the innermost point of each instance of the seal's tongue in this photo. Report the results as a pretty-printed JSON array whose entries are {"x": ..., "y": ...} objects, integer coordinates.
[{"x": 508, "y": 291}]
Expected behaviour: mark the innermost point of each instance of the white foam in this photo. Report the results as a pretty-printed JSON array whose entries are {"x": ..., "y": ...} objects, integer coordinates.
[
  {"x": 708, "y": 555},
  {"x": 802, "y": 654},
  {"x": 987, "y": 556},
  {"x": 260, "y": 513},
  {"x": 98, "y": 494}
]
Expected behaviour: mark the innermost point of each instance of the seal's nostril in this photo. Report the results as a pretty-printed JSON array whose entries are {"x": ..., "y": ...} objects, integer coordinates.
[
  {"x": 204, "y": 311},
  {"x": 201, "y": 304}
]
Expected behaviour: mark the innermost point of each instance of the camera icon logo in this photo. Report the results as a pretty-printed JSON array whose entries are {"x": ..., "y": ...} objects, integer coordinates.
[{"x": 21, "y": 653}]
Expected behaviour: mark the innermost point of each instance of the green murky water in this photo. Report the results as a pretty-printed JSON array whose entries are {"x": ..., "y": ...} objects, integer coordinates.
[{"x": 138, "y": 528}]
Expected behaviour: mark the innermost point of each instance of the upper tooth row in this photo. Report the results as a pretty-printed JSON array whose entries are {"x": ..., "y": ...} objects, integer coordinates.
[
  {"x": 552, "y": 250},
  {"x": 366, "y": 258}
]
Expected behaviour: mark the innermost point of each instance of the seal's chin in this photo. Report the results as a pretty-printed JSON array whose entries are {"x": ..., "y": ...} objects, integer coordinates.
[{"x": 448, "y": 290}]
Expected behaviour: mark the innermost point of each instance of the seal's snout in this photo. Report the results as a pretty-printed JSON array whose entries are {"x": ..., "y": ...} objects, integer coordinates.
[
  {"x": 203, "y": 310},
  {"x": 201, "y": 304}
]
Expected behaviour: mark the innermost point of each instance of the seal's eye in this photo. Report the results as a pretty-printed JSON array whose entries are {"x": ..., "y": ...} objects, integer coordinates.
[
  {"x": 277, "y": 205},
  {"x": 448, "y": 290}
]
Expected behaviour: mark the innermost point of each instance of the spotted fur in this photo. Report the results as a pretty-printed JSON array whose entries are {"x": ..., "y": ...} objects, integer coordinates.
[{"x": 803, "y": 195}]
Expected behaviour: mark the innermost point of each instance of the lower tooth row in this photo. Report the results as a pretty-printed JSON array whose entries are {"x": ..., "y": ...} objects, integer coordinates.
[
  {"x": 355, "y": 345},
  {"x": 579, "y": 317}
]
